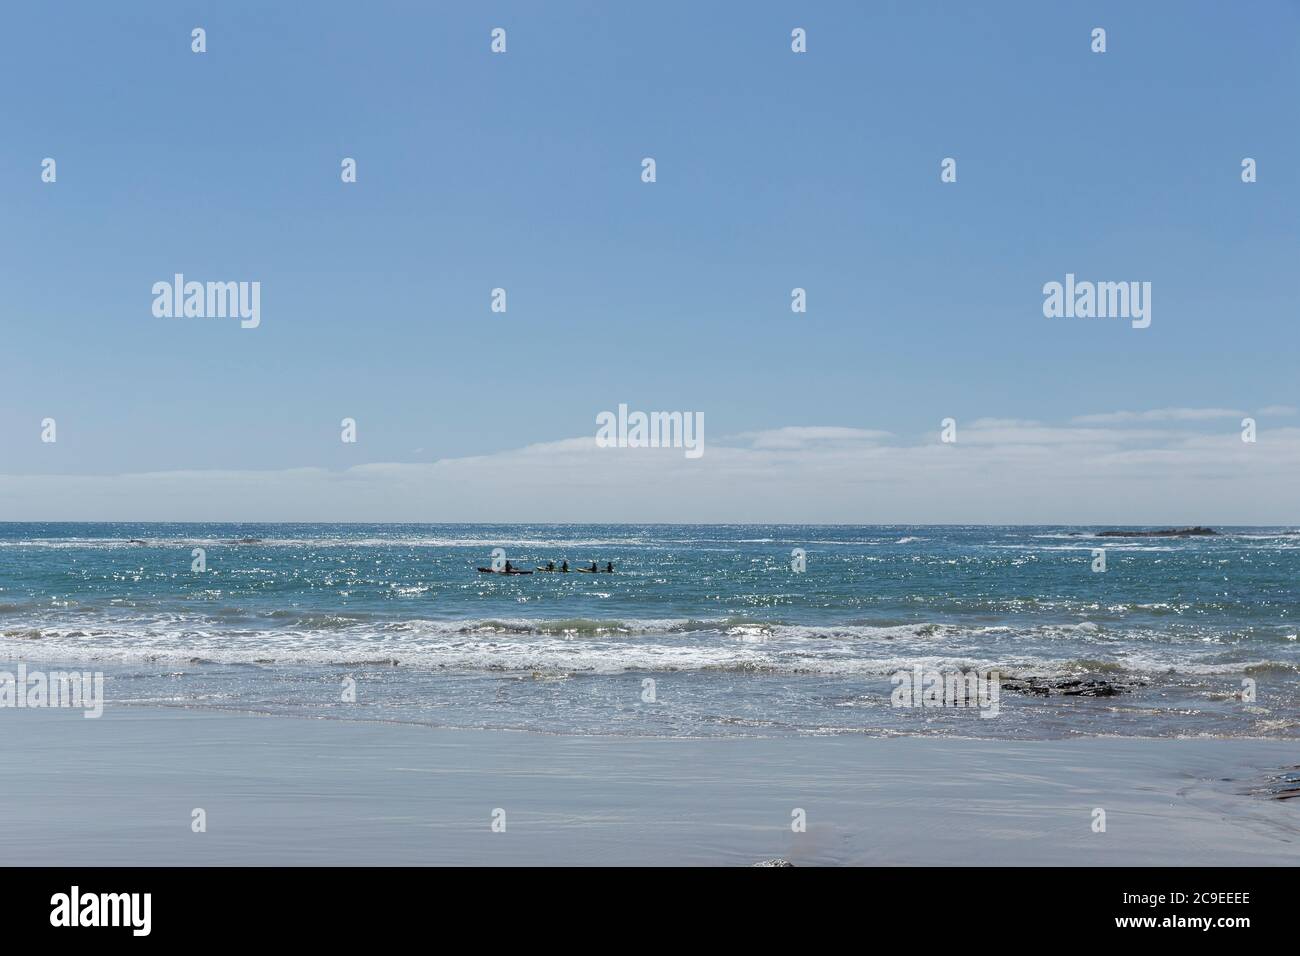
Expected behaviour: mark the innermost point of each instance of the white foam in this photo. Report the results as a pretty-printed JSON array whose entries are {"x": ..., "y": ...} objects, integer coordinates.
[{"x": 615, "y": 646}]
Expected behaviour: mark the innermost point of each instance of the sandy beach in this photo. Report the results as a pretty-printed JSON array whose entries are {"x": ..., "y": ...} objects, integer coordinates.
[{"x": 283, "y": 790}]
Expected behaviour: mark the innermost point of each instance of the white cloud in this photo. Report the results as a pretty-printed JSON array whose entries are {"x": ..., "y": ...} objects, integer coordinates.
[
  {"x": 999, "y": 471},
  {"x": 1158, "y": 415},
  {"x": 803, "y": 436}
]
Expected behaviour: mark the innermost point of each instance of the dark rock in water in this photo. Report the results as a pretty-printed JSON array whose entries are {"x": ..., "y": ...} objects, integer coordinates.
[
  {"x": 1162, "y": 533},
  {"x": 776, "y": 862},
  {"x": 1062, "y": 687},
  {"x": 136, "y": 541},
  {"x": 1282, "y": 786}
]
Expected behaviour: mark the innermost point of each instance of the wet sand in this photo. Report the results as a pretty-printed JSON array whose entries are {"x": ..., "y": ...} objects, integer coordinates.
[{"x": 282, "y": 790}]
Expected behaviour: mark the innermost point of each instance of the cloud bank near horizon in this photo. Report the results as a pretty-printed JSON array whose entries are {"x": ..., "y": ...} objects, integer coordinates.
[{"x": 1165, "y": 466}]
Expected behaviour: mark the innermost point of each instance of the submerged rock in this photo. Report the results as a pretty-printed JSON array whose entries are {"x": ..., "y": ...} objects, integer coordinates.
[
  {"x": 1282, "y": 786},
  {"x": 1069, "y": 687}
]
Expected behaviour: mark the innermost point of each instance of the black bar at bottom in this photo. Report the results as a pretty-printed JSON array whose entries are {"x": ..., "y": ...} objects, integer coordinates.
[{"x": 334, "y": 905}]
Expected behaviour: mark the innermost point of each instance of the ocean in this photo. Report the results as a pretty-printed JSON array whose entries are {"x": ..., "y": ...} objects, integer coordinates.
[{"x": 702, "y": 631}]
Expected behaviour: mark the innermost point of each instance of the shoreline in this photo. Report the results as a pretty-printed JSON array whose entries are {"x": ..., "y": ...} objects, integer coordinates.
[
  {"x": 121, "y": 790},
  {"x": 697, "y": 705}
]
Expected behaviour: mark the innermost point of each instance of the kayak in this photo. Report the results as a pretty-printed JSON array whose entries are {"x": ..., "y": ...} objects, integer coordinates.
[
  {"x": 553, "y": 570},
  {"x": 511, "y": 571},
  {"x": 589, "y": 571}
]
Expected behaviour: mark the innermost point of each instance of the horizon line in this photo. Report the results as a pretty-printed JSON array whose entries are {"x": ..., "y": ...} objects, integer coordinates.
[{"x": 664, "y": 524}]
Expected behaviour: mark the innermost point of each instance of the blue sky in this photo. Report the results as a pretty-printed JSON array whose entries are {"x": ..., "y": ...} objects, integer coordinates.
[{"x": 522, "y": 170}]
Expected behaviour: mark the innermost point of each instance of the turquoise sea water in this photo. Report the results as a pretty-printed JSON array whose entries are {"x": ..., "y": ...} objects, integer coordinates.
[{"x": 734, "y": 640}]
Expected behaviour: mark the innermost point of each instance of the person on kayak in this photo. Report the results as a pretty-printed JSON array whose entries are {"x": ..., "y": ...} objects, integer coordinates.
[
  {"x": 594, "y": 569},
  {"x": 609, "y": 568},
  {"x": 550, "y": 565},
  {"x": 508, "y": 567},
  {"x": 565, "y": 567}
]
